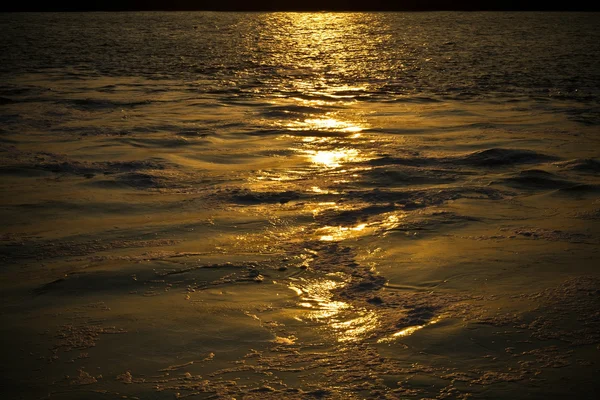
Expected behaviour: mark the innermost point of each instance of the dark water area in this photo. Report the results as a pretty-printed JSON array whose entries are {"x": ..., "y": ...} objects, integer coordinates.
[{"x": 300, "y": 205}]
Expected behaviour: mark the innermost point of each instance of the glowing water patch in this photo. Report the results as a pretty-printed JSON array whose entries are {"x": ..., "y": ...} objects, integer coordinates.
[
  {"x": 357, "y": 328},
  {"x": 331, "y": 124},
  {"x": 324, "y": 124},
  {"x": 336, "y": 233},
  {"x": 317, "y": 189},
  {"x": 334, "y": 158},
  {"x": 392, "y": 221},
  {"x": 283, "y": 340},
  {"x": 409, "y": 330},
  {"x": 348, "y": 323}
]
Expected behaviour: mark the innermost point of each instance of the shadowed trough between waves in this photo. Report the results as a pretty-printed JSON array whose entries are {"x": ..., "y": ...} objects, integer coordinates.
[{"x": 311, "y": 205}]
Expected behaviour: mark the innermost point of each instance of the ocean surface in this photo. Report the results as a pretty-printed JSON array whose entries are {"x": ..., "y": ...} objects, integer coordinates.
[{"x": 300, "y": 205}]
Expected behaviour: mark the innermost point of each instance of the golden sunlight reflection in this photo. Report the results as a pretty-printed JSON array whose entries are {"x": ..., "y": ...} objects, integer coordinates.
[
  {"x": 337, "y": 233},
  {"x": 333, "y": 158},
  {"x": 317, "y": 189},
  {"x": 392, "y": 221},
  {"x": 320, "y": 42},
  {"x": 324, "y": 124},
  {"x": 409, "y": 330},
  {"x": 348, "y": 323},
  {"x": 315, "y": 35}
]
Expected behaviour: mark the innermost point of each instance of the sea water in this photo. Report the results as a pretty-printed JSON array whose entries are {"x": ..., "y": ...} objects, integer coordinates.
[{"x": 300, "y": 205}]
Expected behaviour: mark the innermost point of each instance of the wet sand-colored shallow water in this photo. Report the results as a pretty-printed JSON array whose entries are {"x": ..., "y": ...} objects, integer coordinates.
[{"x": 213, "y": 205}]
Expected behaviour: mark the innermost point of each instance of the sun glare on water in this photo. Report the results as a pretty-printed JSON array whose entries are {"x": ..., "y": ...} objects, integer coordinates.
[
  {"x": 333, "y": 158},
  {"x": 346, "y": 322}
]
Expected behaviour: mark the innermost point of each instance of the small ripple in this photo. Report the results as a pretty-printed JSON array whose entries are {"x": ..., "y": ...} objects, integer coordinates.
[
  {"x": 537, "y": 179},
  {"x": 588, "y": 165}
]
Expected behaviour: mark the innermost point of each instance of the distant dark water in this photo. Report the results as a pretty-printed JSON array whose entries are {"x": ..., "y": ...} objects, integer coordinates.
[{"x": 390, "y": 56}]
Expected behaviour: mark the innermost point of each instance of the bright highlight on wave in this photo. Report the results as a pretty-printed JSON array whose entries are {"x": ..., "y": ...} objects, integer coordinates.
[
  {"x": 333, "y": 158},
  {"x": 409, "y": 330},
  {"x": 332, "y": 124},
  {"x": 348, "y": 323},
  {"x": 336, "y": 233},
  {"x": 324, "y": 124}
]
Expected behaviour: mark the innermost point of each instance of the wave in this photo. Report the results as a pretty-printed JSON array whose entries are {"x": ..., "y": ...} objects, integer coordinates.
[
  {"x": 100, "y": 105},
  {"x": 537, "y": 179},
  {"x": 161, "y": 143},
  {"x": 588, "y": 165},
  {"x": 299, "y": 133},
  {"x": 135, "y": 180},
  {"x": 27, "y": 163},
  {"x": 199, "y": 276},
  {"x": 5, "y": 101},
  {"x": 386, "y": 176},
  {"x": 250, "y": 197},
  {"x": 499, "y": 156},
  {"x": 353, "y": 216},
  {"x": 580, "y": 189},
  {"x": 291, "y": 111},
  {"x": 407, "y": 199},
  {"x": 481, "y": 158}
]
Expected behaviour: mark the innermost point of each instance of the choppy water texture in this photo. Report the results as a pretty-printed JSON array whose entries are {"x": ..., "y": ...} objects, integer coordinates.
[{"x": 300, "y": 206}]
